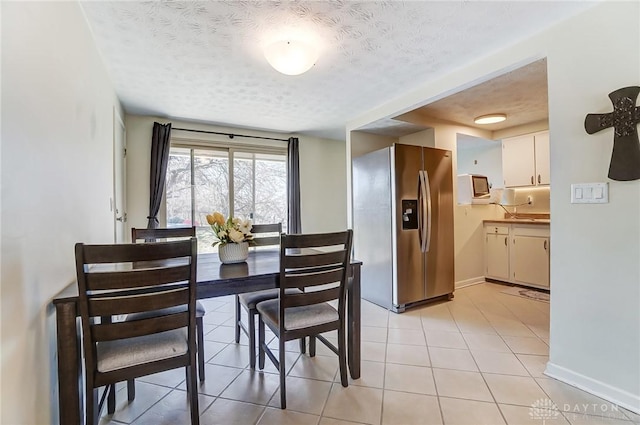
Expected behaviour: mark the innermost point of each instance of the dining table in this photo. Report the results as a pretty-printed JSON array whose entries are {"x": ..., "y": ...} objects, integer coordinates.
[{"x": 260, "y": 271}]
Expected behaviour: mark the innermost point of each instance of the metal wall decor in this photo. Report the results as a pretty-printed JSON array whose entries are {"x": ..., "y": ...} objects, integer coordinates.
[{"x": 625, "y": 159}]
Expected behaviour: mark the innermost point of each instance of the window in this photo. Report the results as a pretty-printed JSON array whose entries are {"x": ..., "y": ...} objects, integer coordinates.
[{"x": 248, "y": 183}]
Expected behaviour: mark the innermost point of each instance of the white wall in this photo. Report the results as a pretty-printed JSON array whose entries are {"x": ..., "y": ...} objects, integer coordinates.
[
  {"x": 322, "y": 172},
  {"x": 323, "y": 192},
  {"x": 595, "y": 318},
  {"x": 57, "y": 135},
  {"x": 540, "y": 200},
  {"x": 595, "y": 290},
  {"x": 519, "y": 130},
  {"x": 420, "y": 138},
  {"x": 485, "y": 160},
  {"x": 362, "y": 143}
]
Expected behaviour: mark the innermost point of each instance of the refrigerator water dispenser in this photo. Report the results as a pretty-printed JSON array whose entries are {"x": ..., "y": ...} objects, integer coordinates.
[{"x": 409, "y": 214}]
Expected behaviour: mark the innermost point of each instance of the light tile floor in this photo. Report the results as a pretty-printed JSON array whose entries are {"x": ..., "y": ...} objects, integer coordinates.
[{"x": 478, "y": 359}]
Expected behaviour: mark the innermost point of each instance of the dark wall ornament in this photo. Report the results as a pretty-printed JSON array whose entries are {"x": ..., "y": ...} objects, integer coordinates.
[{"x": 625, "y": 158}]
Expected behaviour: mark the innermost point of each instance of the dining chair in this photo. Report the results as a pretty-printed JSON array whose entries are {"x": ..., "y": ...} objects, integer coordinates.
[
  {"x": 152, "y": 235},
  {"x": 134, "y": 278},
  {"x": 317, "y": 264},
  {"x": 248, "y": 301}
]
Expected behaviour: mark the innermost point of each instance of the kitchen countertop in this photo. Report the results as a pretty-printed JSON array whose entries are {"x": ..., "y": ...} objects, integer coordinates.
[{"x": 537, "y": 221}]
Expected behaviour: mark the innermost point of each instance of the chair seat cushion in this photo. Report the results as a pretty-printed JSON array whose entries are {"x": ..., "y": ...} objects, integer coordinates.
[
  {"x": 171, "y": 310},
  {"x": 297, "y": 317},
  {"x": 121, "y": 353},
  {"x": 250, "y": 299}
]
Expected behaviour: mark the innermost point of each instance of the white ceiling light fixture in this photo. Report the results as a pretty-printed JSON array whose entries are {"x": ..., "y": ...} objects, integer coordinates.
[
  {"x": 490, "y": 119},
  {"x": 291, "y": 57}
]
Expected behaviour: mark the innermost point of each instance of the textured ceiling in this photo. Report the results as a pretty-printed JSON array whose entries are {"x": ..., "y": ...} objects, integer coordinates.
[
  {"x": 521, "y": 94},
  {"x": 203, "y": 61}
]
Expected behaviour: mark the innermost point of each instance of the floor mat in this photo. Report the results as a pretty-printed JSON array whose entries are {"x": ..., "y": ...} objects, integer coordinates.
[{"x": 531, "y": 294}]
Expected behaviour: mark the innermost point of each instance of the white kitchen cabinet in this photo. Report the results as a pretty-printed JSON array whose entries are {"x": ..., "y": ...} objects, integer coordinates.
[
  {"x": 518, "y": 161},
  {"x": 525, "y": 160},
  {"x": 497, "y": 252},
  {"x": 517, "y": 253},
  {"x": 530, "y": 261},
  {"x": 541, "y": 145}
]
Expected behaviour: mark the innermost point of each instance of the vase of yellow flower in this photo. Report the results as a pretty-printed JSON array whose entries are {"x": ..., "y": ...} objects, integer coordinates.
[{"x": 233, "y": 235}]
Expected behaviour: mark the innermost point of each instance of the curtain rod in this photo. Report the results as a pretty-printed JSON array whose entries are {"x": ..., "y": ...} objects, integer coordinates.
[{"x": 231, "y": 135}]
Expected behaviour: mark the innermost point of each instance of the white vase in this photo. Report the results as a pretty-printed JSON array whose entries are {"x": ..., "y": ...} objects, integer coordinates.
[{"x": 230, "y": 253}]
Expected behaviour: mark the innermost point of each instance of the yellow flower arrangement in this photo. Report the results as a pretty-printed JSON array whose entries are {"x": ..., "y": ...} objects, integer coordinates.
[{"x": 230, "y": 230}]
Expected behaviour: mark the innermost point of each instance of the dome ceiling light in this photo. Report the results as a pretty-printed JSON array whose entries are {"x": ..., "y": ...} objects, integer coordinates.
[
  {"x": 291, "y": 57},
  {"x": 490, "y": 119}
]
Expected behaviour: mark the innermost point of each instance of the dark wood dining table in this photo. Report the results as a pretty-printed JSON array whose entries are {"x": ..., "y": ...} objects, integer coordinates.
[{"x": 260, "y": 271}]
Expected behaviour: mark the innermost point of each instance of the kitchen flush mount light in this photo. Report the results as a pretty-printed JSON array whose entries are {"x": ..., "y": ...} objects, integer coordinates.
[
  {"x": 291, "y": 57},
  {"x": 490, "y": 119}
]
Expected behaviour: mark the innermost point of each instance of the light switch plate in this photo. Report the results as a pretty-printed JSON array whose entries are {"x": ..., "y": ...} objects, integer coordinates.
[{"x": 590, "y": 193}]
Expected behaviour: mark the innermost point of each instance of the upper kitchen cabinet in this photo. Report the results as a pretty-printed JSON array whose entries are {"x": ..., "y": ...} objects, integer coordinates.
[
  {"x": 541, "y": 143},
  {"x": 525, "y": 160}
]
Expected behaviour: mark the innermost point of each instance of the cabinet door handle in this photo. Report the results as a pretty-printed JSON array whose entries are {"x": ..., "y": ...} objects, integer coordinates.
[
  {"x": 505, "y": 240},
  {"x": 539, "y": 180},
  {"x": 531, "y": 179},
  {"x": 545, "y": 245}
]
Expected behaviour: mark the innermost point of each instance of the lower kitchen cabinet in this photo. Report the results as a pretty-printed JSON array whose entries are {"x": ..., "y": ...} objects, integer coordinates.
[
  {"x": 518, "y": 253},
  {"x": 497, "y": 252},
  {"x": 530, "y": 261}
]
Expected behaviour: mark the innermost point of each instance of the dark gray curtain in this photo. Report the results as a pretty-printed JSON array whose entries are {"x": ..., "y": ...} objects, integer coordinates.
[
  {"x": 293, "y": 186},
  {"x": 160, "y": 144}
]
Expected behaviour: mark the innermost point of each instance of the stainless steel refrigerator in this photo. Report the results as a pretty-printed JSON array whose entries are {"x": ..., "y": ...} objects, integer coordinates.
[{"x": 403, "y": 224}]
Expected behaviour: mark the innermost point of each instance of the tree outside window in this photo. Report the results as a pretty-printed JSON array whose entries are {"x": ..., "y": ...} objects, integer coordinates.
[{"x": 200, "y": 181}]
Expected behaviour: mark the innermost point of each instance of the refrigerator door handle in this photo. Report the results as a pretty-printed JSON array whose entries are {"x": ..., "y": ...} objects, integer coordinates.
[
  {"x": 421, "y": 196},
  {"x": 424, "y": 201},
  {"x": 428, "y": 190}
]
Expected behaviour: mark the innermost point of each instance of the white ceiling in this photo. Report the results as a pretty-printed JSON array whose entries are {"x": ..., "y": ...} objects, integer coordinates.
[
  {"x": 520, "y": 94},
  {"x": 203, "y": 61}
]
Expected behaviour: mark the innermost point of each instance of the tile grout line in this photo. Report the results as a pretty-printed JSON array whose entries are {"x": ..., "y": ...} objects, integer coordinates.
[
  {"x": 502, "y": 338},
  {"x": 478, "y": 366},
  {"x": 384, "y": 371},
  {"x": 433, "y": 377},
  {"x": 508, "y": 307}
]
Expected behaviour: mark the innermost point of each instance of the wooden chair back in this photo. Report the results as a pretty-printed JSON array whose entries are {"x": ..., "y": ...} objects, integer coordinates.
[
  {"x": 259, "y": 230},
  {"x": 309, "y": 261},
  {"x": 318, "y": 265},
  {"x": 132, "y": 278},
  {"x": 151, "y": 235}
]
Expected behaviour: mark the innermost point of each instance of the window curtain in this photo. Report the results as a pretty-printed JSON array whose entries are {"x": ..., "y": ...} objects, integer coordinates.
[
  {"x": 160, "y": 144},
  {"x": 294, "y": 224}
]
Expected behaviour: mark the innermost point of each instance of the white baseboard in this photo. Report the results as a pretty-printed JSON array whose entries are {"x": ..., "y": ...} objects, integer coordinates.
[
  {"x": 469, "y": 282},
  {"x": 600, "y": 389}
]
